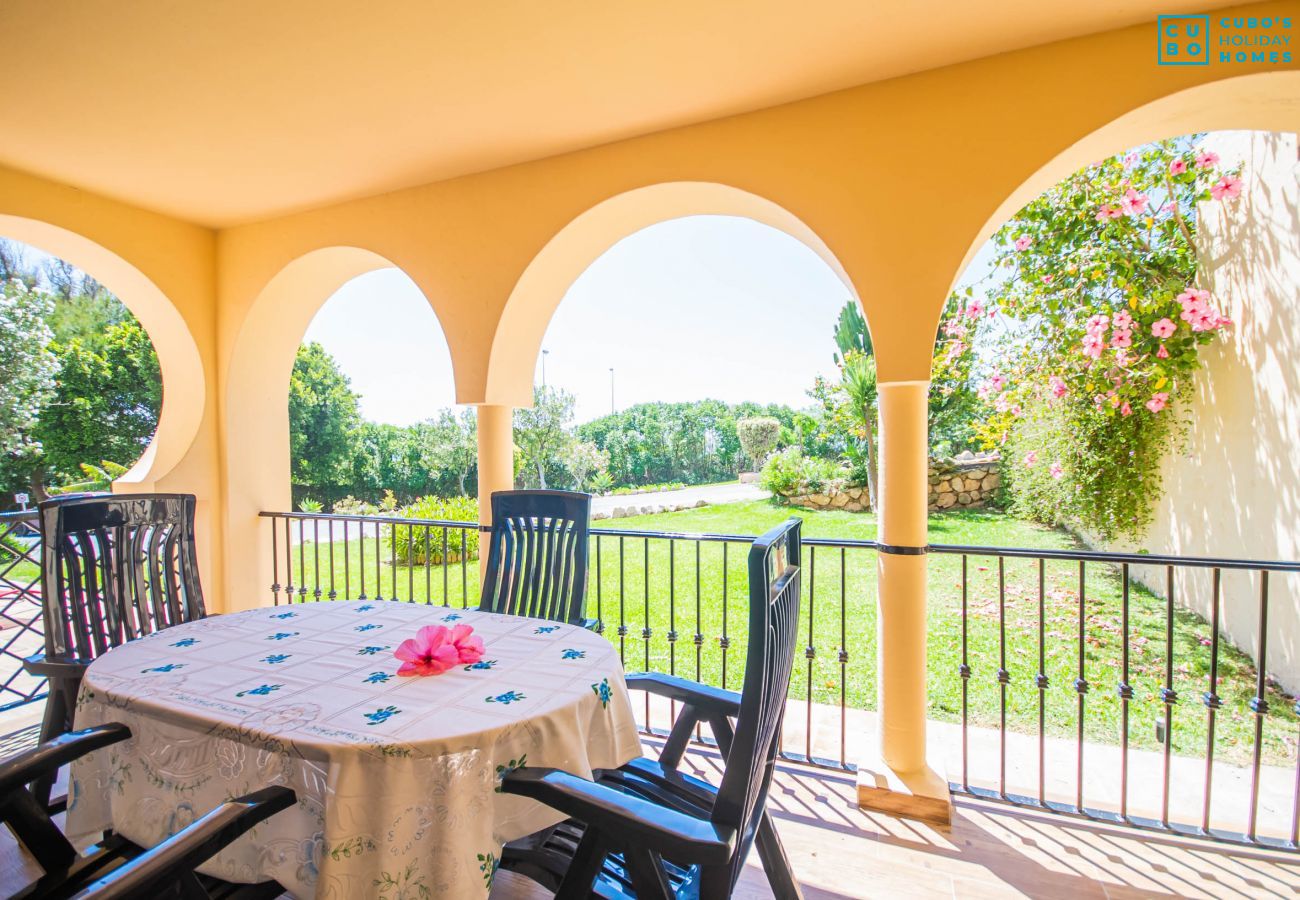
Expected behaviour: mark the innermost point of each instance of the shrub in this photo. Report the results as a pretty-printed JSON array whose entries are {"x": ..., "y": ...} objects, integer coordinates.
[
  {"x": 351, "y": 506},
  {"x": 310, "y": 505},
  {"x": 758, "y": 436},
  {"x": 601, "y": 483},
  {"x": 790, "y": 472},
  {"x": 417, "y": 545}
]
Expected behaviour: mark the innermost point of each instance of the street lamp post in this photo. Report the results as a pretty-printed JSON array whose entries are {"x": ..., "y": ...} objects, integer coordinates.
[
  {"x": 544, "y": 354},
  {"x": 611, "y": 390}
]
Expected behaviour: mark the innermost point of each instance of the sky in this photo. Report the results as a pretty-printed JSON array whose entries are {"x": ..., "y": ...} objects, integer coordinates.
[{"x": 706, "y": 306}]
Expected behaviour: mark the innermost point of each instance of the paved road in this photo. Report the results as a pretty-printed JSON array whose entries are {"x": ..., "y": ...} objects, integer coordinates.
[{"x": 710, "y": 493}]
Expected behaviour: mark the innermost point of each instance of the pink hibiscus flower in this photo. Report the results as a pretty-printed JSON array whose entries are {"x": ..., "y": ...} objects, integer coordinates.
[
  {"x": 1177, "y": 167},
  {"x": 1133, "y": 203},
  {"x": 1226, "y": 188},
  {"x": 437, "y": 648},
  {"x": 1057, "y": 471},
  {"x": 1098, "y": 323},
  {"x": 1023, "y": 242},
  {"x": 1093, "y": 344},
  {"x": 1057, "y": 386},
  {"x": 1163, "y": 328},
  {"x": 1109, "y": 213},
  {"x": 1122, "y": 320},
  {"x": 1031, "y": 459},
  {"x": 1121, "y": 337},
  {"x": 1207, "y": 159},
  {"x": 1125, "y": 409},
  {"x": 1158, "y": 401},
  {"x": 974, "y": 307}
]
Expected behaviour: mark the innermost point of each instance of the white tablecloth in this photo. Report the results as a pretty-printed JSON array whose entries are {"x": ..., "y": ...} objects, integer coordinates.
[{"x": 397, "y": 778}]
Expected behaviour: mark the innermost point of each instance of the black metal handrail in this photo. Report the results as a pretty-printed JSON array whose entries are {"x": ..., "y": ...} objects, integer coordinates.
[{"x": 20, "y": 610}]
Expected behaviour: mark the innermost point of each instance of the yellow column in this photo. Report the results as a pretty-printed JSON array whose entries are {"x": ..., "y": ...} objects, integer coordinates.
[
  {"x": 899, "y": 780},
  {"x": 496, "y": 460}
]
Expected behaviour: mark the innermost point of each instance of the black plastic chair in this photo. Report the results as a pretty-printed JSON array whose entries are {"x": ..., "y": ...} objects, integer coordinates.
[
  {"x": 537, "y": 561},
  {"x": 115, "y": 868},
  {"x": 647, "y": 830},
  {"x": 114, "y": 568}
]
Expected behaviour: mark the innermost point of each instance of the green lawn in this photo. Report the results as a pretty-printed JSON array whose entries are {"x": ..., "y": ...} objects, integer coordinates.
[{"x": 687, "y": 583}]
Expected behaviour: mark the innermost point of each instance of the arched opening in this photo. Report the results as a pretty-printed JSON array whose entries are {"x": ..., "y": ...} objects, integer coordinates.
[
  {"x": 1134, "y": 306},
  {"x": 259, "y": 463},
  {"x": 178, "y": 360}
]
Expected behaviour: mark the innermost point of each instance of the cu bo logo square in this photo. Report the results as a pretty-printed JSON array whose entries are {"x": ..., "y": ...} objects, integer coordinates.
[{"x": 1183, "y": 40}]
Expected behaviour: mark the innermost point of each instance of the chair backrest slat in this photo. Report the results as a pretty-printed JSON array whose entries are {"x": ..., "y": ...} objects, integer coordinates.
[
  {"x": 116, "y": 568},
  {"x": 774, "y": 597},
  {"x": 537, "y": 560}
]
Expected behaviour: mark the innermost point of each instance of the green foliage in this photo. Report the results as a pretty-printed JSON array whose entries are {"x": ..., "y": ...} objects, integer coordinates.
[
  {"x": 1099, "y": 327},
  {"x": 310, "y": 505},
  {"x": 758, "y": 436},
  {"x": 323, "y": 419},
  {"x": 106, "y": 400},
  {"x": 414, "y": 545},
  {"x": 541, "y": 435},
  {"x": 586, "y": 463},
  {"x": 27, "y": 367},
  {"x": 449, "y": 446},
  {"x": 790, "y": 472},
  {"x": 601, "y": 482},
  {"x": 648, "y": 488},
  {"x": 692, "y": 443}
]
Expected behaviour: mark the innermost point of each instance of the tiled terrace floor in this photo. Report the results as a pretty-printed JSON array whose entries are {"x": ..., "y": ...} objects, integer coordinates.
[{"x": 990, "y": 850}]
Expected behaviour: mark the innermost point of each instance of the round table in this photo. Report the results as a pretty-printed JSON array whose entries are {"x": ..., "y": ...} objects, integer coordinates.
[{"x": 397, "y": 777}]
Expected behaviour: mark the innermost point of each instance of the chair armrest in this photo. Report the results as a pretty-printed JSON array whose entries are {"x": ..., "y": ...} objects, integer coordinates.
[
  {"x": 701, "y": 696},
  {"x": 55, "y": 666},
  {"x": 624, "y": 818},
  {"x": 181, "y": 853},
  {"x": 55, "y": 753},
  {"x": 590, "y": 624}
]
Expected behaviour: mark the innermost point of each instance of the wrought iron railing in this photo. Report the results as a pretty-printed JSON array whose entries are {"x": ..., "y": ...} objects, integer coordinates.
[
  {"x": 21, "y": 626},
  {"x": 1023, "y": 690}
]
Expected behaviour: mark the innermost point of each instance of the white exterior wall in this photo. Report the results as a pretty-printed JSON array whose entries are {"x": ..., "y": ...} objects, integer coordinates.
[{"x": 1234, "y": 489}]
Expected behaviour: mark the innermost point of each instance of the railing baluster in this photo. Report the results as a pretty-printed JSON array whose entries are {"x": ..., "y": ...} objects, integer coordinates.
[
  {"x": 1041, "y": 682},
  {"x": 622, "y": 605},
  {"x": 964, "y": 672},
  {"x": 428, "y": 570},
  {"x": 333, "y": 594},
  {"x": 672, "y": 621},
  {"x": 810, "y": 652},
  {"x": 1259, "y": 706},
  {"x": 1081, "y": 685},
  {"x": 302, "y": 559},
  {"x": 445, "y": 566},
  {"x": 699, "y": 629},
  {"x": 1125, "y": 693},
  {"x": 275, "y": 566},
  {"x": 379, "y": 553},
  {"x": 724, "y": 642},
  {"x": 315, "y": 551},
  {"x": 288, "y": 561},
  {"x": 646, "y": 630},
  {"x": 1004, "y": 677},
  {"x": 465, "y": 534},
  {"x": 844, "y": 662},
  {"x": 600, "y": 580},
  {"x": 1168, "y": 696},
  {"x": 361, "y": 556},
  {"x": 347, "y": 562},
  {"x": 1212, "y": 700}
]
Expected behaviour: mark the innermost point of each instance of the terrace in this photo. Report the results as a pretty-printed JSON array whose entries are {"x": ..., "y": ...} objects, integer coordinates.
[{"x": 226, "y": 202}]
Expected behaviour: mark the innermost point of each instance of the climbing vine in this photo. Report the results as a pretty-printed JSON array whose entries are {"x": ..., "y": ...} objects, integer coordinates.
[{"x": 1087, "y": 331}]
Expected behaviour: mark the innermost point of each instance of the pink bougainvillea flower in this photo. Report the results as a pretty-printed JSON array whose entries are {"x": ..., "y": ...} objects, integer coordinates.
[
  {"x": 1158, "y": 401},
  {"x": 1226, "y": 188},
  {"x": 1177, "y": 167},
  {"x": 1023, "y": 242},
  {"x": 1163, "y": 328},
  {"x": 1207, "y": 159},
  {"x": 1057, "y": 386},
  {"x": 1031, "y": 459},
  {"x": 1163, "y": 352},
  {"x": 1109, "y": 213},
  {"x": 954, "y": 329},
  {"x": 437, "y": 648},
  {"x": 1133, "y": 203},
  {"x": 1057, "y": 471}
]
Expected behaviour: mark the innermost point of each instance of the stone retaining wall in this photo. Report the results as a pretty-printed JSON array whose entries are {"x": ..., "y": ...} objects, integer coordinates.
[
  {"x": 966, "y": 481},
  {"x": 962, "y": 482}
]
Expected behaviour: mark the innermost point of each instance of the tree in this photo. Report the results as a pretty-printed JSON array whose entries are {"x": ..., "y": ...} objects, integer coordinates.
[
  {"x": 758, "y": 436},
  {"x": 106, "y": 401},
  {"x": 857, "y": 362},
  {"x": 540, "y": 432},
  {"x": 1099, "y": 324},
  {"x": 27, "y": 370},
  {"x": 450, "y": 445},
  {"x": 585, "y": 461},
  {"x": 323, "y": 419}
]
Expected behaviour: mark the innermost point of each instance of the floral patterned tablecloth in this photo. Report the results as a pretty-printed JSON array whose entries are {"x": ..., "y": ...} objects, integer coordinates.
[{"x": 397, "y": 778}]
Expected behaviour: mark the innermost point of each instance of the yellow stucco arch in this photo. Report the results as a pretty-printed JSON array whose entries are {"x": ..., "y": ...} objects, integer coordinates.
[
  {"x": 1265, "y": 101},
  {"x": 541, "y": 287},
  {"x": 255, "y": 414},
  {"x": 183, "y": 380}
]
